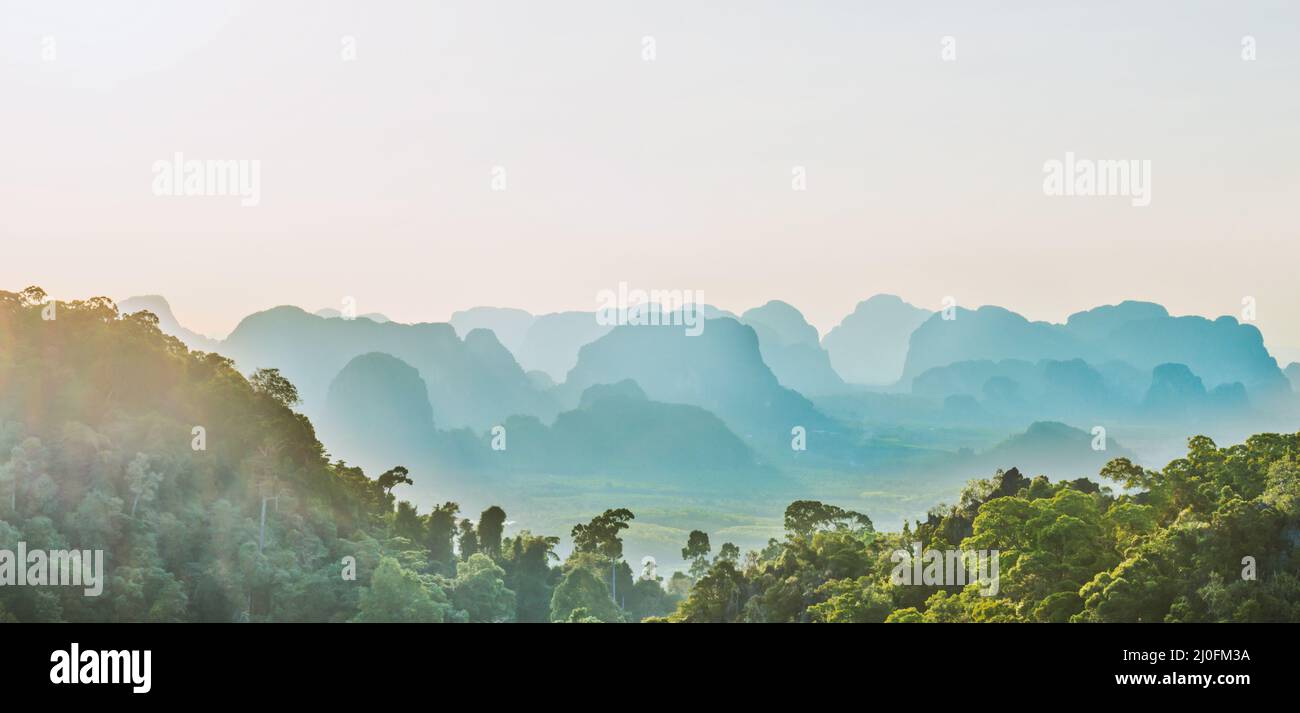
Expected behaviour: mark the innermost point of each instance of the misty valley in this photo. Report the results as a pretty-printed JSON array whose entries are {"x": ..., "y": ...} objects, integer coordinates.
[{"x": 323, "y": 436}]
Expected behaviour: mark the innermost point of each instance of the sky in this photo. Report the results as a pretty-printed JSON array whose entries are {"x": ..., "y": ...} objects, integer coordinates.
[{"x": 653, "y": 143}]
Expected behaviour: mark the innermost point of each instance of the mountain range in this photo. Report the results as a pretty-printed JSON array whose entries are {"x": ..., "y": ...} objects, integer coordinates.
[
  {"x": 753, "y": 395},
  {"x": 474, "y": 382},
  {"x": 1141, "y": 334}
]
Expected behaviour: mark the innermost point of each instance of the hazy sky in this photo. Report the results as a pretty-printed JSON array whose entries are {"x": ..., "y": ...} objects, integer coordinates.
[{"x": 924, "y": 176}]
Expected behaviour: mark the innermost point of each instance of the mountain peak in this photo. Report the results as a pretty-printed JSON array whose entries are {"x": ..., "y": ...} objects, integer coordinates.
[
  {"x": 1099, "y": 322},
  {"x": 870, "y": 345},
  {"x": 882, "y": 299},
  {"x": 781, "y": 321},
  {"x": 158, "y": 305},
  {"x": 153, "y": 303}
]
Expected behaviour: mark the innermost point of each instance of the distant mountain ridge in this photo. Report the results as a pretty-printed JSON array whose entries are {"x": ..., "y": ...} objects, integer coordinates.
[
  {"x": 1048, "y": 388},
  {"x": 475, "y": 382},
  {"x": 509, "y": 324},
  {"x": 378, "y": 411},
  {"x": 616, "y": 428},
  {"x": 331, "y": 313},
  {"x": 548, "y": 343},
  {"x": 1144, "y": 335},
  {"x": 989, "y": 369}
]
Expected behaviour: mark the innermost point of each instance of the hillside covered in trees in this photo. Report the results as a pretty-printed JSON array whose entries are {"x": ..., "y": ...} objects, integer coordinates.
[{"x": 214, "y": 501}]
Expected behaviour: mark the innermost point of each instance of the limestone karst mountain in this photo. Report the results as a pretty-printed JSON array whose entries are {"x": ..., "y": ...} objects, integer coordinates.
[
  {"x": 377, "y": 413},
  {"x": 721, "y": 370},
  {"x": 473, "y": 382},
  {"x": 616, "y": 429},
  {"x": 870, "y": 345},
  {"x": 791, "y": 348},
  {"x": 1143, "y": 335}
]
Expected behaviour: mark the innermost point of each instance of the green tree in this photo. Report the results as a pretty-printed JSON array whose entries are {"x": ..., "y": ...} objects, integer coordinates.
[
  {"x": 696, "y": 552},
  {"x": 480, "y": 590},
  {"x": 142, "y": 481},
  {"x": 27, "y": 462},
  {"x": 397, "y": 595},
  {"x": 441, "y": 528},
  {"x": 804, "y": 517},
  {"x": 679, "y": 585},
  {"x": 467, "y": 539},
  {"x": 273, "y": 384},
  {"x": 393, "y": 477},
  {"x": 581, "y": 589},
  {"x": 852, "y": 601},
  {"x": 601, "y": 537},
  {"x": 491, "y": 525},
  {"x": 716, "y": 598},
  {"x": 406, "y": 521},
  {"x": 529, "y": 573}
]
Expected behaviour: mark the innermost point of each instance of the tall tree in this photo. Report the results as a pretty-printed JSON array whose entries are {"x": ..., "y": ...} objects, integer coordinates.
[
  {"x": 696, "y": 552},
  {"x": 528, "y": 559},
  {"x": 390, "y": 479},
  {"x": 467, "y": 539},
  {"x": 491, "y": 524},
  {"x": 601, "y": 537},
  {"x": 441, "y": 528},
  {"x": 141, "y": 481},
  {"x": 406, "y": 521},
  {"x": 804, "y": 517}
]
